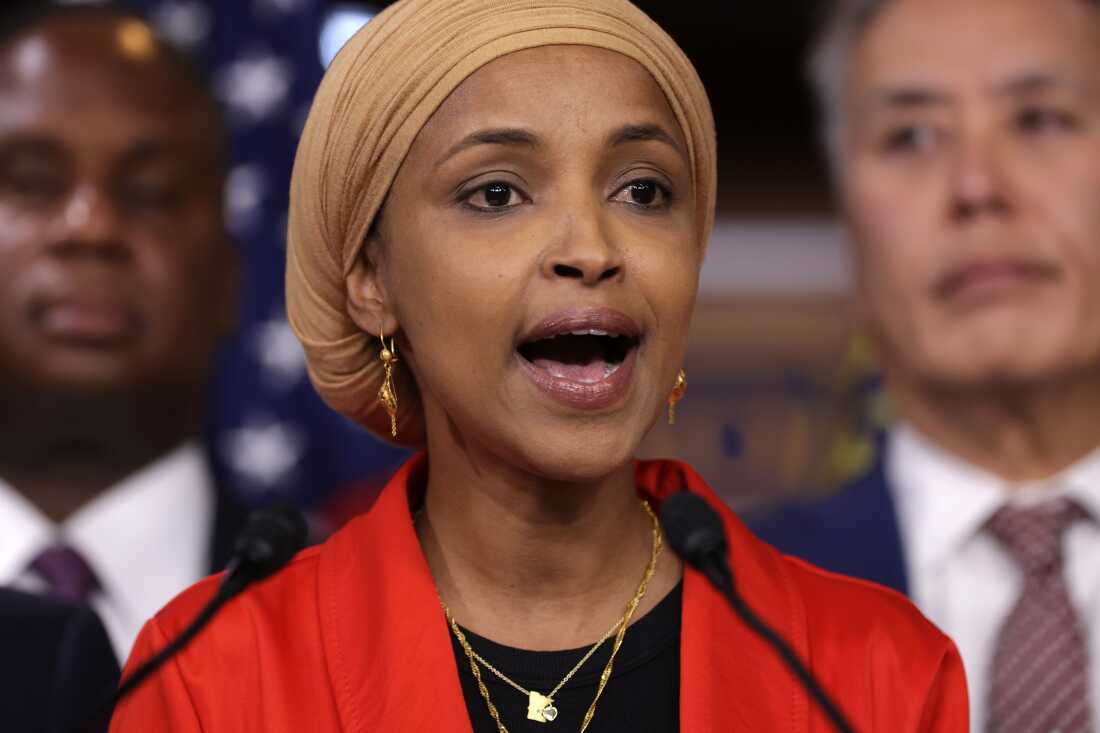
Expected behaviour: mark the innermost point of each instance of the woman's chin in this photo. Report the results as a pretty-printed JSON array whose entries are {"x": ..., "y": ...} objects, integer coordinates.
[{"x": 580, "y": 457}]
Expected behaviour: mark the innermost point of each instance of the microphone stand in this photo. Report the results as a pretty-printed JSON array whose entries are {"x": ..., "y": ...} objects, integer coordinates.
[
  {"x": 226, "y": 592},
  {"x": 717, "y": 570},
  {"x": 696, "y": 533}
]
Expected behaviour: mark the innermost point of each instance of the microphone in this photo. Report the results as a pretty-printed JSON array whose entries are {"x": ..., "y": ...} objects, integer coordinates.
[
  {"x": 271, "y": 536},
  {"x": 695, "y": 532}
]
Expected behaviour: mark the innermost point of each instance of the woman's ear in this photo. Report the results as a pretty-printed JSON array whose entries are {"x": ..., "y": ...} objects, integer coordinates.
[{"x": 367, "y": 304}]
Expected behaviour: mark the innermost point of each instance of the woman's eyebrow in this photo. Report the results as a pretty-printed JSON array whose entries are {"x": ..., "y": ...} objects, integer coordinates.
[
  {"x": 514, "y": 136},
  {"x": 644, "y": 132}
]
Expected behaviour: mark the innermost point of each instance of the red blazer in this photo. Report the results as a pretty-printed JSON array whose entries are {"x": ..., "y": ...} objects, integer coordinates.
[{"x": 350, "y": 637}]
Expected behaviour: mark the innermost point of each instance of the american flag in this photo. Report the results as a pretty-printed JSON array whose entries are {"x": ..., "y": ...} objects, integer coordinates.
[{"x": 269, "y": 433}]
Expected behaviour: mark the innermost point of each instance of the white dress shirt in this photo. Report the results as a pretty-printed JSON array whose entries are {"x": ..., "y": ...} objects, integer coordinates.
[
  {"x": 959, "y": 575},
  {"x": 146, "y": 539}
]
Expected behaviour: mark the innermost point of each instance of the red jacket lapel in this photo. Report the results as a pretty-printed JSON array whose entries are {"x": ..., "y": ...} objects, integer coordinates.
[{"x": 386, "y": 641}]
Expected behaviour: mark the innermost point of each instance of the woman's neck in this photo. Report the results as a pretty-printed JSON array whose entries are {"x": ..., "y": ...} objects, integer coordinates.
[{"x": 533, "y": 563}]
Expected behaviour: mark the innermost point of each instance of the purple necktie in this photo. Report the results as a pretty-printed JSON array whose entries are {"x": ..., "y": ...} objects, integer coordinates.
[
  {"x": 66, "y": 573},
  {"x": 1039, "y": 681}
]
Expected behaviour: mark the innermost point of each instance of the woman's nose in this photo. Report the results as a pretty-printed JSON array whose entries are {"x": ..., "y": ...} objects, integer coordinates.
[{"x": 585, "y": 252}]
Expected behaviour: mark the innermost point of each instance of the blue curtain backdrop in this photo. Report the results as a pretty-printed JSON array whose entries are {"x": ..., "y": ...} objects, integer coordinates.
[{"x": 269, "y": 434}]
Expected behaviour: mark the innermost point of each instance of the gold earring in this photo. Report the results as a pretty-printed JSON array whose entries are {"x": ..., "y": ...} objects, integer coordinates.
[
  {"x": 387, "y": 395},
  {"x": 676, "y": 395}
]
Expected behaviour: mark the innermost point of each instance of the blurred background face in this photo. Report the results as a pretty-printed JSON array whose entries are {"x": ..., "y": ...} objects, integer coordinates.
[
  {"x": 971, "y": 180},
  {"x": 539, "y": 251},
  {"x": 115, "y": 272}
]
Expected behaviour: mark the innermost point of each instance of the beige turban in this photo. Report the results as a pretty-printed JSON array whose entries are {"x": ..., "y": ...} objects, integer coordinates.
[{"x": 381, "y": 89}]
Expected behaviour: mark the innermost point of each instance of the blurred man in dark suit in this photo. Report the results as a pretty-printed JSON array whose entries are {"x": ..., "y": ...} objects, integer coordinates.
[
  {"x": 56, "y": 665},
  {"x": 965, "y": 136},
  {"x": 117, "y": 282}
]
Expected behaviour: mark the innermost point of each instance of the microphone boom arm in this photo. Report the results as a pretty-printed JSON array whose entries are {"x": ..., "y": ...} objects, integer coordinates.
[
  {"x": 270, "y": 538},
  {"x": 729, "y": 590},
  {"x": 696, "y": 533}
]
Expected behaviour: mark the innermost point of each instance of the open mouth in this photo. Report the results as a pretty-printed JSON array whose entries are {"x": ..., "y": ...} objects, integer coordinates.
[{"x": 585, "y": 356}]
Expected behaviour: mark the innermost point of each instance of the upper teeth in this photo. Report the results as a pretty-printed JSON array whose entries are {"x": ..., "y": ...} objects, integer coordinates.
[{"x": 594, "y": 332}]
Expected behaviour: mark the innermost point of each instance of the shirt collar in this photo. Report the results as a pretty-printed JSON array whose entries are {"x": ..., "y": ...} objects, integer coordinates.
[
  {"x": 24, "y": 531},
  {"x": 943, "y": 501},
  {"x": 147, "y": 537},
  {"x": 1082, "y": 482}
]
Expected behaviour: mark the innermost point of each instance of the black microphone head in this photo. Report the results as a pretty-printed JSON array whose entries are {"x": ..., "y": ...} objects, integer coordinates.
[
  {"x": 271, "y": 536},
  {"x": 693, "y": 528}
]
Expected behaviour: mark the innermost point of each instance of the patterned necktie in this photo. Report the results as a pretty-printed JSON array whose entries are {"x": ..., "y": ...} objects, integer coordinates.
[
  {"x": 66, "y": 573},
  {"x": 1039, "y": 681}
]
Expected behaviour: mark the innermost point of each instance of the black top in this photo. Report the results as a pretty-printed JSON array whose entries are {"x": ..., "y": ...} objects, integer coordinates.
[{"x": 642, "y": 696}]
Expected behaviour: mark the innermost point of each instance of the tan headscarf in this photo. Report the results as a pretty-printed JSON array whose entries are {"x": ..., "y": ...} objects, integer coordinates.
[{"x": 381, "y": 89}]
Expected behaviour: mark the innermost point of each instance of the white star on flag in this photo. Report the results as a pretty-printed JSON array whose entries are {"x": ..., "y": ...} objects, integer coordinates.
[
  {"x": 280, "y": 353},
  {"x": 245, "y": 188},
  {"x": 255, "y": 85},
  {"x": 267, "y": 7},
  {"x": 265, "y": 452},
  {"x": 186, "y": 24}
]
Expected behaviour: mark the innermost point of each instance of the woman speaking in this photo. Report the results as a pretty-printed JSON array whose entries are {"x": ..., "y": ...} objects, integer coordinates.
[{"x": 499, "y": 210}]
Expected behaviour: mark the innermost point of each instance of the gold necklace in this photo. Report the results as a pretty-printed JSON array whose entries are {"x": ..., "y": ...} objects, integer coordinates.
[
  {"x": 538, "y": 704},
  {"x": 541, "y": 707}
]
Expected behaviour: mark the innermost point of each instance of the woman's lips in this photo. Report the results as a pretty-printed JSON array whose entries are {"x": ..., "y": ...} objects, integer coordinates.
[
  {"x": 586, "y": 376},
  {"x": 591, "y": 387},
  {"x": 608, "y": 320}
]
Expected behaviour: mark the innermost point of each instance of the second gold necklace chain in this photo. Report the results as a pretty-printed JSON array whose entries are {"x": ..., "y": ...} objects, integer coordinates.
[{"x": 541, "y": 707}]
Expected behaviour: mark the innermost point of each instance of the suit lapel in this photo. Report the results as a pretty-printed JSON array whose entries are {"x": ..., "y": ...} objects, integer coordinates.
[
  {"x": 879, "y": 518},
  {"x": 853, "y": 532}
]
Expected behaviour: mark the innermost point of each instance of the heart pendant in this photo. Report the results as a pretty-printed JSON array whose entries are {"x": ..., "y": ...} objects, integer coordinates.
[{"x": 549, "y": 712}]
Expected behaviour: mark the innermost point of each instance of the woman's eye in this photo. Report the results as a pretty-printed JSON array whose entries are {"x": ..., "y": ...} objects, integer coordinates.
[
  {"x": 495, "y": 195},
  {"x": 645, "y": 193}
]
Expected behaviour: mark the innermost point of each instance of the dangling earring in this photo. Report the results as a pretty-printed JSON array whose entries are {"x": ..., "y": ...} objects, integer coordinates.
[
  {"x": 387, "y": 395},
  {"x": 676, "y": 395}
]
